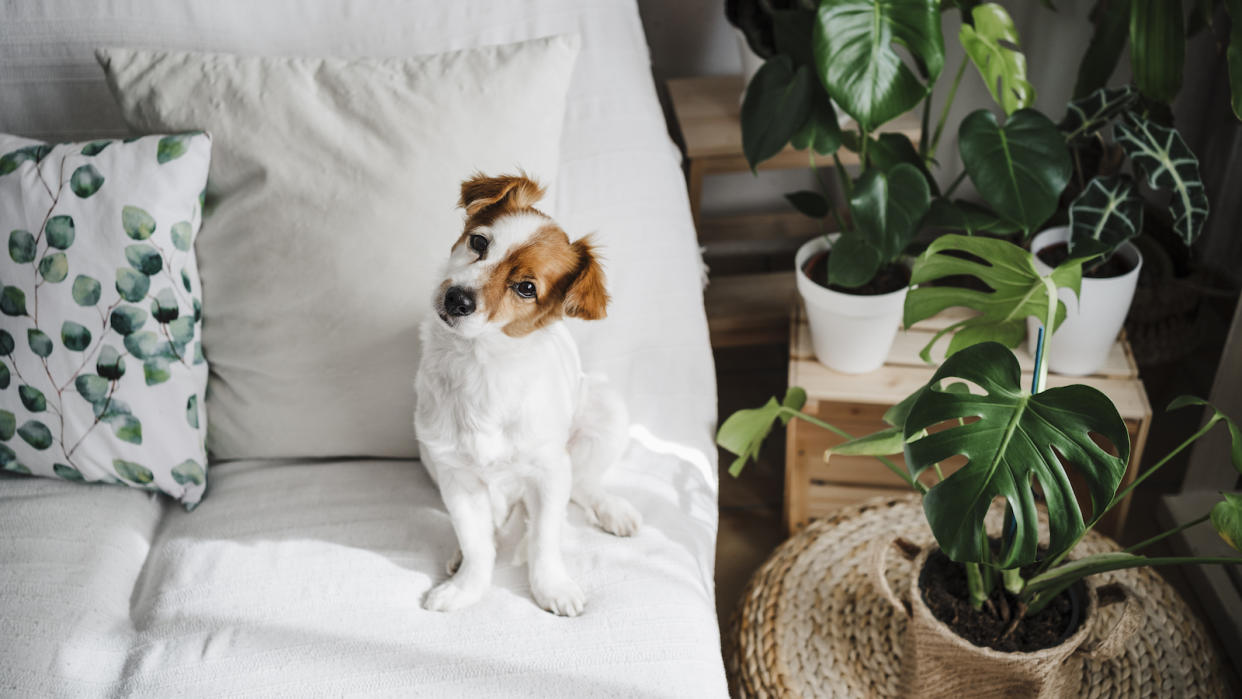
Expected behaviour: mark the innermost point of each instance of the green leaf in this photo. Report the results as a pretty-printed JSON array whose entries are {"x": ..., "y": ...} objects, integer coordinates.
[
  {"x": 86, "y": 291},
  {"x": 182, "y": 235},
  {"x": 191, "y": 411},
  {"x": 1227, "y": 519},
  {"x": 1233, "y": 56},
  {"x": 127, "y": 319},
  {"x": 185, "y": 280},
  {"x": 155, "y": 370},
  {"x": 8, "y": 425},
  {"x": 1017, "y": 438},
  {"x": 821, "y": 132},
  {"x": 110, "y": 365},
  {"x": 131, "y": 471},
  {"x": 127, "y": 428},
  {"x": 777, "y": 102},
  {"x": 7, "y": 345},
  {"x": 171, "y": 148},
  {"x": 137, "y": 223},
  {"x": 22, "y": 246},
  {"x": 74, "y": 336},
  {"x": 882, "y": 443},
  {"x": 143, "y": 344},
  {"x": 891, "y": 149},
  {"x": 92, "y": 388},
  {"x": 9, "y": 161},
  {"x": 1020, "y": 169},
  {"x": 189, "y": 471},
  {"x": 164, "y": 306},
  {"x": 887, "y": 207},
  {"x": 743, "y": 433},
  {"x": 67, "y": 472},
  {"x": 1017, "y": 290},
  {"x": 54, "y": 268},
  {"x": 1235, "y": 433},
  {"x": 85, "y": 181},
  {"x": 855, "y": 44},
  {"x": 144, "y": 258},
  {"x": 1085, "y": 116},
  {"x": 992, "y": 45},
  {"x": 1109, "y": 211},
  {"x": 809, "y": 203},
  {"x": 40, "y": 343},
  {"x": 36, "y": 434},
  {"x": 198, "y": 353},
  {"x": 8, "y": 461},
  {"x": 12, "y": 301},
  {"x": 1158, "y": 48},
  {"x": 198, "y": 309},
  {"x": 32, "y": 398},
  {"x": 1112, "y": 31},
  {"x": 60, "y": 231},
  {"x": 853, "y": 261},
  {"x": 182, "y": 330},
  {"x": 110, "y": 410},
  {"x": 1169, "y": 164},
  {"x": 962, "y": 215},
  {"x": 5, "y": 377},
  {"x": 131, "y": 285},
  {"x": 95, "y": 147}
]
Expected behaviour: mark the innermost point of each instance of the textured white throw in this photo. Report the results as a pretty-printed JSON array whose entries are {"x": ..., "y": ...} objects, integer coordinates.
[{"x": 304, "y": 579}]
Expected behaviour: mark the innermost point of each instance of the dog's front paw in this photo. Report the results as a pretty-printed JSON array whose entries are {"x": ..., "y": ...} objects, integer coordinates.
[
  {"x": 617, "y": 516},
  {"x": 450, "y": 596},
  {"x": 561, "y": 596}
]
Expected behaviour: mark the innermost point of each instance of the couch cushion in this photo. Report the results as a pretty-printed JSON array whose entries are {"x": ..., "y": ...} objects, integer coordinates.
[{"x": 331, "y": 206}]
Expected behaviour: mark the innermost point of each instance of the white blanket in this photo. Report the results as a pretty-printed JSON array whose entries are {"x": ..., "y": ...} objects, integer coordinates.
[{"x": 301, "y": 579}]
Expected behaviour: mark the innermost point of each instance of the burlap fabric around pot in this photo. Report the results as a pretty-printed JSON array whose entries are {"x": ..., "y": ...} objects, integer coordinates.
[{"x": 812, "y": 623}]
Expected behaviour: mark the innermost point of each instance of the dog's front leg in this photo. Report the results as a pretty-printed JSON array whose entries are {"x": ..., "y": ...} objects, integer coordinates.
[
  {"x": 470, "y": 510},
  {"x": 547, "y": 498}
]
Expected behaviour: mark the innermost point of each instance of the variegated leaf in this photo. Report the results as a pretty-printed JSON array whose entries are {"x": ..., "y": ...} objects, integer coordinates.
[
  {"x": 1087, "y": 115},
  {"x": 1168, "y": 162},
  {"x": 1109, "y": 210}
]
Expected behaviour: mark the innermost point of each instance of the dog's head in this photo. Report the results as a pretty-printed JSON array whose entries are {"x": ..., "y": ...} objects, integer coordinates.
[{"x": 513, "y": 270}]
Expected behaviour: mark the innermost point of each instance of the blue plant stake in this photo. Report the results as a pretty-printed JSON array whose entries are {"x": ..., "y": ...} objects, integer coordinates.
[{"x": 1039, "y": 360}]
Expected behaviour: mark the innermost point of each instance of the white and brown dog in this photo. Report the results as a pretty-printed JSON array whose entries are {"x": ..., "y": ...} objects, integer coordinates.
[{"x": 506, "y": 418}]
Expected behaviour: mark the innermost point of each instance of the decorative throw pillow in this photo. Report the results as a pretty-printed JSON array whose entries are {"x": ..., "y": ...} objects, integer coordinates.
[
  {"x": 101, "y": 367},
  {"x": 332, "y": 205}
]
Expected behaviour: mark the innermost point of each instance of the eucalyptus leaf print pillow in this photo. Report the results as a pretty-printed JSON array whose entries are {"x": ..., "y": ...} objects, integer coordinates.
[{"x": 102, "y": 372}]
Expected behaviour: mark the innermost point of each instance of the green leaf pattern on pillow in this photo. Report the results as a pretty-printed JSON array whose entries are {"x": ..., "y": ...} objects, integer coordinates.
[{"x": 100, "y": 277}]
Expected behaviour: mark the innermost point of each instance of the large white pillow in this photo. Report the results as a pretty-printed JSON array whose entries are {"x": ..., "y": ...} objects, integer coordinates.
[{"x": 331, "y": 204}]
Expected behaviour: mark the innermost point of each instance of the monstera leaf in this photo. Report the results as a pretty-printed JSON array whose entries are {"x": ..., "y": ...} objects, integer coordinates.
[
  {"x": 1109, "y": 211},
  {"x": 1227, "y": 519},
  {"x": 821, "y": 132},
  {"x": 992, "y": 45},
  {"x": 1018, "y": 290},
  {"x": 743, "y": 432},
  {"x": 1017, "y": 441},
  {"x": 777, "y": 102},
  {"x": 1020, "y": 168},
  {"x": 1084, "y": 117},
  {"x": 855, "y": 44},
  {"x": 1169, "y": 164},
  {"x": 886, "y": 209},
  {"x": 1157, "y": 48}
]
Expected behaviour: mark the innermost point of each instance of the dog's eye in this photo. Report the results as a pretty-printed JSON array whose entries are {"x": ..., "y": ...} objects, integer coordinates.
[
  {"x": 525, "y": 289},
  {"x": 478, "y": 244}
]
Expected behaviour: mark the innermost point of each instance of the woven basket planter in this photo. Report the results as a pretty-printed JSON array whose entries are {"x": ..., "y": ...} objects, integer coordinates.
[{"x": 813, "y": 623}]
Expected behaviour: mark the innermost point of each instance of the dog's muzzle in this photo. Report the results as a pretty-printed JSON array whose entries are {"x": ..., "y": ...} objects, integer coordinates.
[{"x": 458, "y": 302}]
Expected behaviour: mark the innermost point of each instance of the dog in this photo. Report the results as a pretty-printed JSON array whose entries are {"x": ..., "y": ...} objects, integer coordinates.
[{"x": 505, "y": 418}]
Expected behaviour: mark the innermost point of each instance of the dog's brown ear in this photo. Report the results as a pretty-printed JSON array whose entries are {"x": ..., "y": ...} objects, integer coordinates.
[
  {"x": 586, "y": 297},
  {"x": 514, "y": 192}
]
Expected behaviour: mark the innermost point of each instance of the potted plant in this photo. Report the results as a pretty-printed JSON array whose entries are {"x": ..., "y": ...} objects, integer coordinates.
[
  {"x": 845, "y": 52},
  {"x": 1004, "y": 608}
]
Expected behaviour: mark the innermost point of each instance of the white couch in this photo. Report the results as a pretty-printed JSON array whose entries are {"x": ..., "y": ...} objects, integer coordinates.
[{"x": 298, "y": 578}]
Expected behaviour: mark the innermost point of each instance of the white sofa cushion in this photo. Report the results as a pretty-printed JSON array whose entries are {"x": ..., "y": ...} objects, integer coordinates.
[
  {"x": 331, "y": 205},
  {"x": 102, "y": 374}
]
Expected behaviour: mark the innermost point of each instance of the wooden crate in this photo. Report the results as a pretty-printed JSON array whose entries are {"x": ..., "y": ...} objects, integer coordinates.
[{"x": 816, "y": 486}]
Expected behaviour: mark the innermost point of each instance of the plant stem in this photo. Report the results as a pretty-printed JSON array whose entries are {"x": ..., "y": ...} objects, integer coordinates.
[
  {"x": 974, "y": 581},
  {"x": 953, "y": 186},
  {"x": 1013, "y": 580},
  {"x": 1144, "y": 544},
  {"x": 897, "y": 470},
  {"x": 1146, "y": 474},
  {"x": 862, "y": 148},
  {"x": 846, "y": 183},
  {"x": 926, "y": 121},
  {"x": 944, "y": 113},
  {"x": 823, "y": 188},
  {"x": 1061, "y": 577}
]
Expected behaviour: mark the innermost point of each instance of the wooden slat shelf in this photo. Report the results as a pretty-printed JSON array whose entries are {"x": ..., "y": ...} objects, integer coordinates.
[{"x": 749, "y": 309}]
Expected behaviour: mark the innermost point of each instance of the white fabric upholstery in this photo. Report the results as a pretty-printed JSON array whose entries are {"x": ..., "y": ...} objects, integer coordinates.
[{"x": 303, "y": 579}]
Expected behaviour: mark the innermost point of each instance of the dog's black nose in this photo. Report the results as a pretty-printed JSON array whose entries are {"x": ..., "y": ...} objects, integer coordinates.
[{"x": 458, "y": 301}]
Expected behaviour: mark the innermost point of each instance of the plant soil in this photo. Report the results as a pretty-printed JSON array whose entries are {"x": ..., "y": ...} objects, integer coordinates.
[
  {"x": 890, "y": 278},
  {"x": 944, "y": 588},
  {"x": 1114, "y": 266}
]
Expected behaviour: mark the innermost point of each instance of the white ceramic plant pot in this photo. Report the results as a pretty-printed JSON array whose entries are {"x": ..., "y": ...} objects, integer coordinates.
[
  {"x": 1081, "y": 345},
  {"x": 851, "y": 333}
]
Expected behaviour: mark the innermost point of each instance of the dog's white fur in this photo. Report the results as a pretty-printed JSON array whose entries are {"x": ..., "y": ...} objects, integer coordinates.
[{"x": 505, "y": 422}]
